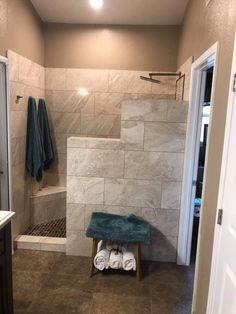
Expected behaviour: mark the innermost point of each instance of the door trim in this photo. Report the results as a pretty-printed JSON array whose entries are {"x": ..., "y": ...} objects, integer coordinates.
[
  {"x": 218, "y": 229},
  {"x": 5, "y": 61},
  {"x": 209, "y": 58}
]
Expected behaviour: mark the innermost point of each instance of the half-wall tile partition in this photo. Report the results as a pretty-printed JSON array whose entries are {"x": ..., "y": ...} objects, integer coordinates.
[
  {"x": 141, "y": 174},
  {"x": 26, "y": 79},
  {"x": 87, "y": 102}
]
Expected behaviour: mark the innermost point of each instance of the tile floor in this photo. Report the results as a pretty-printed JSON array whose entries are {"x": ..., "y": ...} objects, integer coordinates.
[{"x": 49, "y": 282}]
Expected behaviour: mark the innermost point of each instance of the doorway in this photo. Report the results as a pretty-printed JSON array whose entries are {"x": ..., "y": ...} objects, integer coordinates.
[
  {"x": 4, "y": 134},
  {"x": 198, "y": 132},
  {"x": 204, "y": 119}
]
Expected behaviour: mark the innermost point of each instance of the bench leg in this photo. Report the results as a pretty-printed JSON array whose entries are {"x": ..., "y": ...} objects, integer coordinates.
[
  {"x": 94, "y": 252},
  {"x": 138, "y": 261}
]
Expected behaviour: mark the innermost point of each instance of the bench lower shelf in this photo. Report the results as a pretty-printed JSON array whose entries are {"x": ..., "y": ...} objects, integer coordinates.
[{"x": 137, "y": 258}]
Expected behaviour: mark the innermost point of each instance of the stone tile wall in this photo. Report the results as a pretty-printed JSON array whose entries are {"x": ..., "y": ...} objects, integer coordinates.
[
  {"x": 26, "y": 79},
  {"x": 140, "y": 173},
  {"x": 95, "y": 114},
  {"x": 47, "y": 205},
  {"x": 87, "y": 103}
]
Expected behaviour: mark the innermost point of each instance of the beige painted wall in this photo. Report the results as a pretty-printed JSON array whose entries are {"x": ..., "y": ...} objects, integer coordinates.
[
  {"x": 111, "y": 47},
  {"x": 203, "y": 27},
  {"x": 21, "y": 30}
]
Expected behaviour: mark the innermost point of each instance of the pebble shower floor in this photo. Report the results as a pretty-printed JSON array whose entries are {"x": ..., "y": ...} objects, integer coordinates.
[{"x": 55, "y": 228}]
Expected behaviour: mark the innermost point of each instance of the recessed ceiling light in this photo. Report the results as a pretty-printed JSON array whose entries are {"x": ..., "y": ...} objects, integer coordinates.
[{"x": 96, "y": 4}]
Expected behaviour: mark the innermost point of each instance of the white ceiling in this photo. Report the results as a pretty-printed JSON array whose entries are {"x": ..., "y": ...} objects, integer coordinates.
[{"x": 124, "y": 12}]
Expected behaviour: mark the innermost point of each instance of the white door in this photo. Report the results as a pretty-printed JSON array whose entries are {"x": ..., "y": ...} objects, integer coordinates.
[{"x": 222, "y": 292}]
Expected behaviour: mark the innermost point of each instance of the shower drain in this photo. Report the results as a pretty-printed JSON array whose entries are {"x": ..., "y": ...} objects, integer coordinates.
[{"x": 55, "y": 228}]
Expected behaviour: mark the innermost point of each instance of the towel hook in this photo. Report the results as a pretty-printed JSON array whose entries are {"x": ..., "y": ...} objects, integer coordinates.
[{"x": 18, "y": 97}]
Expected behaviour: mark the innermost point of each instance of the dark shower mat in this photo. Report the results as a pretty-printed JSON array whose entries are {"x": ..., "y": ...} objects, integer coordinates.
[{"x": 55, "y": 228}]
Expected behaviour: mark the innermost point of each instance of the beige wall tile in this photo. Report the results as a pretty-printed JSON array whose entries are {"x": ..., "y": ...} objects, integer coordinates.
[
  {"x": 13, "y": 65},
  {"x": 178, "y": 111},
  {"x": 145, "y": 110},
  {"x": 100, "y": 125},
  {"x": 101, "y": 143},
  {"x": 59, "y": 165},
  {"x": 69, "y": 101},
  {"x": 28, "y": 242},
  {"x": 18, "y": 124},
  {"x": 56, "y": 179},
  {"x": 53, "y": 244},
  {"x": 165, "y": 221},
  {"x": 166, "y": 87},
  {"x": 171, "y": 195},
  {"x": 85, "y": 190},
  {"x": 16, "y": 89},
  {"x": 150, "y": 165},
  {"x": 128, "y": 82},
  {"x": 87, "y": 79},
  {"x": 77, "y": 142},
  {"x": 164, "y": 251},
  {"x": 97, "y": 143},
  {"x": 132, "y": 192},
  {"x": 18, "y": 150},
  {"x": 164, "y": 137},
  {"x": 38, "y": 213},
  {"x": 75, "y": 217},
  {"x": 59, "y": 143},
  {"x": 78, "y": 244},
  {"x": 95, "y": 163},
  {"x": 108, "y": 103},
  {"x": 56, "y": 209},
  {"x": 31, "y": 73},
  {"x": 65, "y": 123},
  {"x": 132, "y": 135},
  {"x": 55, "y": 79}
]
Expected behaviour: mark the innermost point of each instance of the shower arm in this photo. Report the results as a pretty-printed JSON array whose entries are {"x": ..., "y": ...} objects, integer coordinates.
[
  {"x": 151, "y": 79},
  {"x": 165, "y": 74}
]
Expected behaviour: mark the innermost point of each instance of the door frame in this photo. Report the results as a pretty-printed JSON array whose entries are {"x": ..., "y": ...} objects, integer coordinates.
[
  {"x": 192, "y": 146},
  {"x": 5, "y": 61},
  {"x": 217, "y": 234}
]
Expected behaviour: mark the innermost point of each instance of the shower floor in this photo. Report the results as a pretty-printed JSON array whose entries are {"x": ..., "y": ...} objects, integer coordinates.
[{"x": 55, "y": 228}]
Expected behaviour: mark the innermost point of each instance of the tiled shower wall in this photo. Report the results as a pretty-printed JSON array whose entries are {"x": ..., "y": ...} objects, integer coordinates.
[
  {"x": 141, "y": 174},
  {"x": 96, "y": 114},
  {"x": 71, "y": 114},
  {"x": 26, "y": 79}
]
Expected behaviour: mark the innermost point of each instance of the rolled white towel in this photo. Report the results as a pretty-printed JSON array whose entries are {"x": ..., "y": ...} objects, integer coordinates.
[
  {"x": 129, "y": 261},
  {"x": 116, "y": 258},
  {"x": 101, "y": 260}
]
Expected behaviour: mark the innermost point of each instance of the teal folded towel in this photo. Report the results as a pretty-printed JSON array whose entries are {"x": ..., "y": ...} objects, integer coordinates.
[
  {"x": 128, "y": 229},
  {"x": 46, "y": 138},
  {"x": 34, "y": 151}
]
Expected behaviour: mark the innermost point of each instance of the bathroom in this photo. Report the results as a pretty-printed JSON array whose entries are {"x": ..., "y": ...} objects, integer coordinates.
[{"x": 116, "y": 87}]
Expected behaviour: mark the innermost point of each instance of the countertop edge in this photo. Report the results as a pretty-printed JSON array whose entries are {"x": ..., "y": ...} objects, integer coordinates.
[{"x": 4, "y": 221}]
